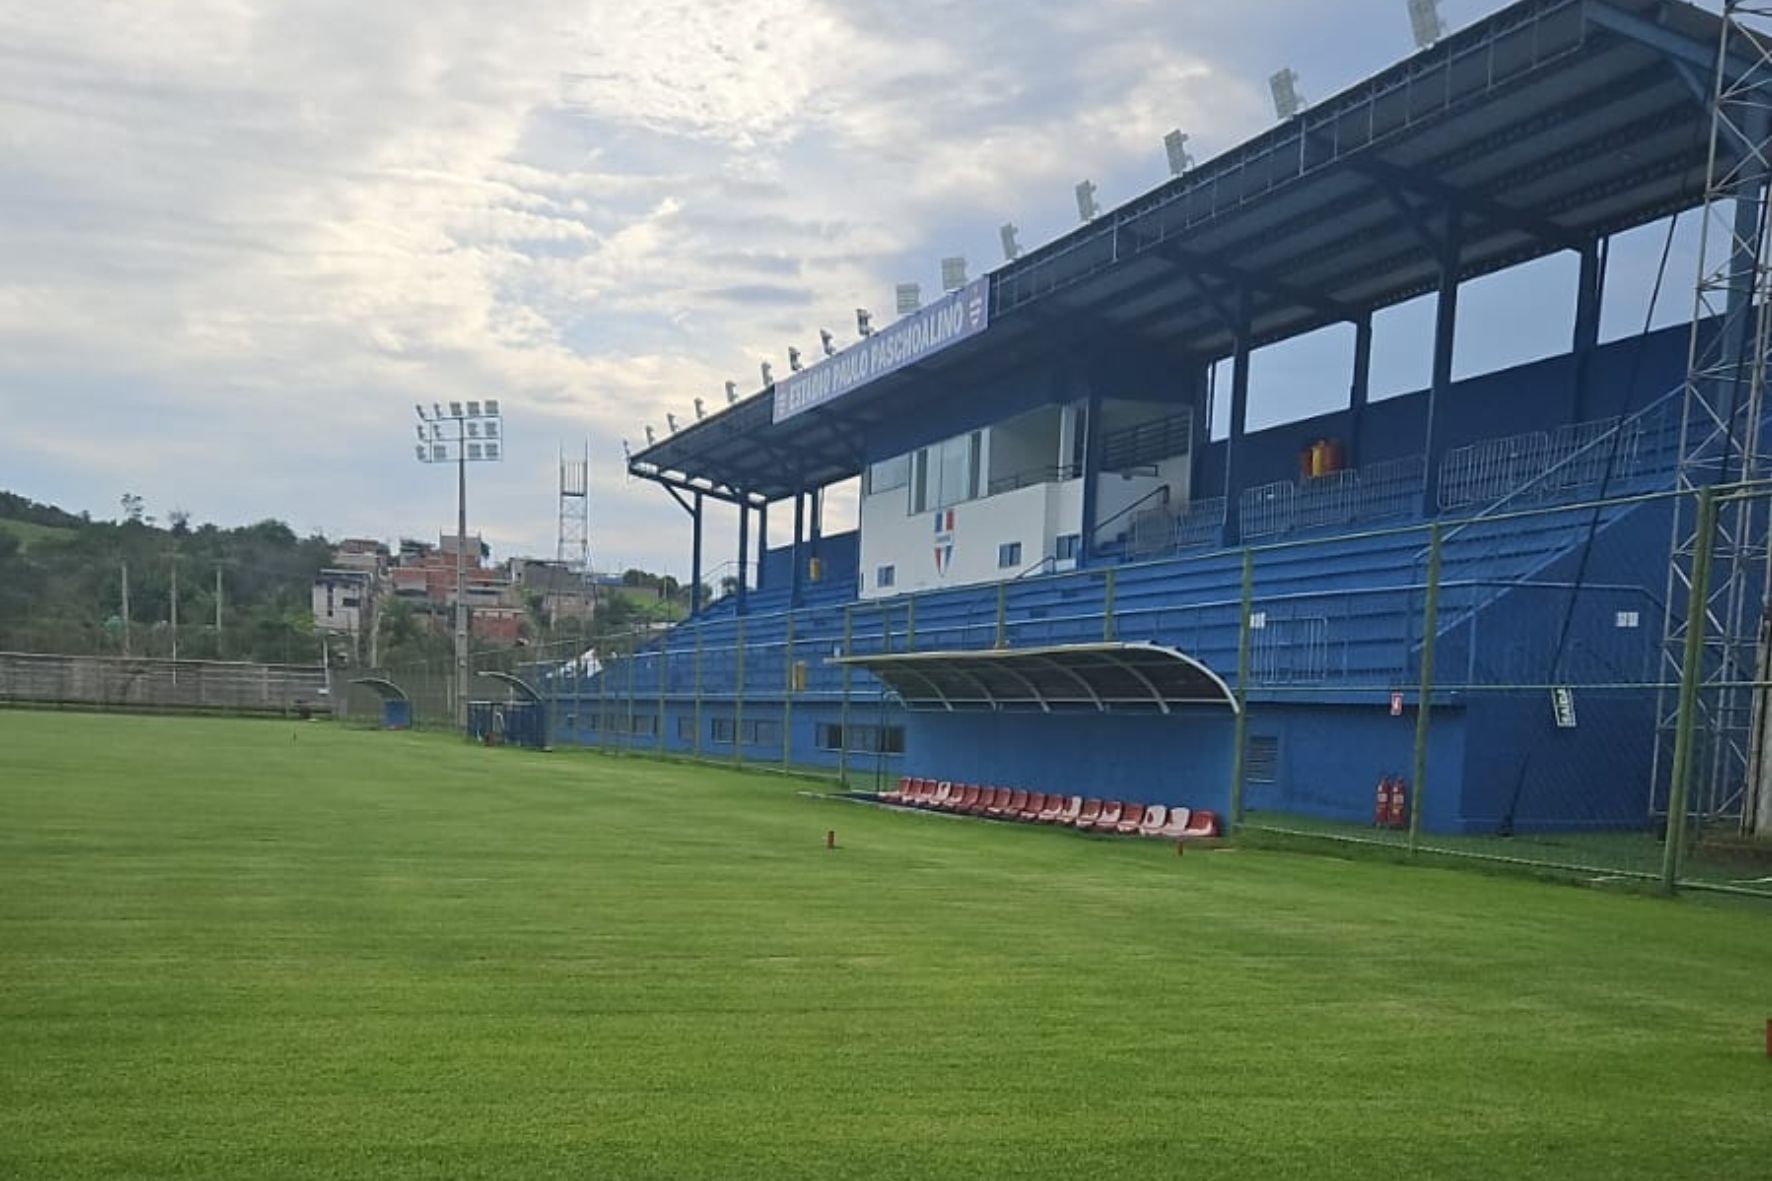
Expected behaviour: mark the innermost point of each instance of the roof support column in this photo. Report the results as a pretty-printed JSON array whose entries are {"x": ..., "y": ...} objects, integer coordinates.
[
  {"x": 1233, "y": 445},
  {"x": 1589, "y": 294},
  {"x": 744, "y": 551},
  {"x": 1361, "y": 392},
  {"x": 799, "y": 540},
  {"x": 1092, "y": 434},
  {"x": 762, "y": 541},
  {"x": 695, "y": 558},
  {"x": 1445, "y": 331},
  {"x": 1744, "y": 268}
]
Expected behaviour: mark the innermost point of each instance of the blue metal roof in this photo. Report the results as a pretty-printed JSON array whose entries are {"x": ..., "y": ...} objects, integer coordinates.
[{"x": 1548, "y": 124}]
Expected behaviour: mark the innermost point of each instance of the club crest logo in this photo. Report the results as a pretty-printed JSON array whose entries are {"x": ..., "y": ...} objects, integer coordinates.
[{"x": 944, "y": 541}]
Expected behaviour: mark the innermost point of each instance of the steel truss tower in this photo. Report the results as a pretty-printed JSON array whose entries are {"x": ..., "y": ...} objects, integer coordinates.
[
  {"x": 1721, "y": 439},
  {"x": 574, "y": 548}
]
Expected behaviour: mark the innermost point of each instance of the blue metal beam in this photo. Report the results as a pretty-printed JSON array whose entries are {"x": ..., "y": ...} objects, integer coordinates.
[
  {"x": 1469, "y": 203},
  {"x": 1676, "y": 46}
]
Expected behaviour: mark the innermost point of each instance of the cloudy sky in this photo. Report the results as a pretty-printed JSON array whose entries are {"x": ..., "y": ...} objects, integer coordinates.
[{"x": 242, "y": 237}]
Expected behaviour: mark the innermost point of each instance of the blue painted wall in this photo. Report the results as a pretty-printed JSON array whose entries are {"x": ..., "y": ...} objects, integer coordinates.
[
  {"x": 1181, "y": 758},
  {"x": 1331, "y": 758}
]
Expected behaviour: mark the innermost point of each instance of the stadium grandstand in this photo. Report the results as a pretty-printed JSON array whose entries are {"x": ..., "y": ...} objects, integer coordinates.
[{"x": 1062, "y": 582}]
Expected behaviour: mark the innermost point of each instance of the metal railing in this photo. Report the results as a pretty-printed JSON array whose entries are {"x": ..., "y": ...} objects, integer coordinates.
[{"x": 1375, "y": 492}]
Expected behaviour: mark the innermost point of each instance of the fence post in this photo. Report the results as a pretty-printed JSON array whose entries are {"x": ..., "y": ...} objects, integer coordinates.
[
  {"x": 910, "y": 623},
  {"x": 627, "y": 738},
  {"x": 1241, "y": 738},
  {"x": 663, "y": 662},
  {"x": 1107, "y": 608},
  {"x": 603, "y": 675},
  {"x": 738, "y": 699},
  {"x": 843, "y": 716},
  {"x": 1430, "y": 627},
  {"x": 787, "y": 700},
  {"x": 1691, "y": 673},
  {"x": 695, "y": 745}
]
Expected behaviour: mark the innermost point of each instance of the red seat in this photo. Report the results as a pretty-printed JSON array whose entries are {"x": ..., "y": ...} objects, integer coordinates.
[
  {"x": 1035, "y": 805},
  {"x": 943, "y": 790},
  {"x": 985, "y": 797},
  {"x": 1111, "y": 811},
  {"x": 998, "y": 801},
  {"x": 1088, "y": 815},
  {"x": 1155, "y": 817},
  {"x": 1201, "y": 824},
  {"x": 1054, "y": 808},
  {"x": 1011, "y": 808},
  {"x": 1130, "y": 820},
  {"x": 920, "y": 789},
  {"x": 894, "y": 794}
]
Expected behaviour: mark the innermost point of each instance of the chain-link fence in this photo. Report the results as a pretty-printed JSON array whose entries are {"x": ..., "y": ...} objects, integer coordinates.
[
  {"x": 1516, "y": 689},
  {"x": 1520, "y": 688},
  {"x": 144, "y": 683}
]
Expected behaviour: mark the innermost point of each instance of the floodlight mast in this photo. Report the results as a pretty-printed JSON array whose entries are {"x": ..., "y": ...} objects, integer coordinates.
[{"x": 488, "y": 446}]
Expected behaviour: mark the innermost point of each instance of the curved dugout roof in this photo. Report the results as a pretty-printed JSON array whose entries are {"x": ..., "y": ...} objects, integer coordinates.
[
  {"x": 1105, "y": 678},
  {"x": 382, "y": 687},
  {"x": 1536, "y": 130},
  {"x": 520, "y": 689}
]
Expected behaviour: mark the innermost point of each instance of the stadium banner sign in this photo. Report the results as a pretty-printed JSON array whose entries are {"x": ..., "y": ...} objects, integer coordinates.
[{"x": 953, "y": 318}]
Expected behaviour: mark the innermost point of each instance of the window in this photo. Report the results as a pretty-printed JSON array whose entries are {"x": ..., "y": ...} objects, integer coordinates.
[
  {"x": 723, "y": 730},
  {"x": 888, "y": 474},
  {"x": 947, "y": 473},
  {"x": 762, "y": 733},
  {"x": 686, "y": 727},
  {"x": 1068, "y": 544},
  {"x": 1009, "y": 555},
  {"x": 1262, "y": 763},
  {"x": 885, "y": 576},
  {"x": 862, "y": 740}
]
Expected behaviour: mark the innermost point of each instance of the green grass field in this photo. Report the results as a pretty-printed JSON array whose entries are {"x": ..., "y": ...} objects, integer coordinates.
[{"x": 253, "y": 949}]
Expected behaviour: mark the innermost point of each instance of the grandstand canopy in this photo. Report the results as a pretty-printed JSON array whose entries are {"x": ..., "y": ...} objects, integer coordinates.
[
  {"x": 1106, "y": 678},
  {"x": 1540, "y": 129}
]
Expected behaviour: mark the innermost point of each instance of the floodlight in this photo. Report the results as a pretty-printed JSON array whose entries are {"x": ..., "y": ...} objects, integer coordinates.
[
  {"x": 455, "y": 410},
  {"x": 651, "y": 437},
  {"x": 827, "y": 342},
  {"x": 794, "y": 359},
  {"x": 1284, "y": 86},
  {"x": 732, "y": 393},
  {"x": 489, "y": 429},
  {"x": 1087, "y": 209},
  {"x": 1424, "y": 19},
  {"x": 1175, "y": 146},
  {"x": 420, "y": 408},
  {"x": 439, "y": 452},
  {"x": 473, "y": 410},
  {"x": 953, "y": 273},
  {"x": 671, "y": 421},
  {"x": 627, "y": 453},
  {"x": 473, "y": 426},
  {"x": 700, "y": 410},
  {"x": 1011, "y": 248},
  {"x": 436, "y": 410},
  {"x": 420, "y": 428},
  {"x": 768, "y": 372},
  {"x": 423, "y": 456},
  {"x": 436, "y": 430},
  {"x": 492, "y": 408},
  {"x": 473, "y": 451},
  {"x": 864, "y": 322},
  {"x": 910, "y": 298},
  {"x": 492, "y": 451}
]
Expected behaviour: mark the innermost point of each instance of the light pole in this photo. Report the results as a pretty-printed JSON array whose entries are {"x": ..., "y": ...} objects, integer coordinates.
[{"x": 471, "y": 432}]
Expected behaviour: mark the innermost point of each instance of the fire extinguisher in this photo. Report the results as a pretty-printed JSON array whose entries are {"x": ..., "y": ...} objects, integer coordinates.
[
  {"x": 1399, "y": 814},
  {"x": 1381, "y": 813}
]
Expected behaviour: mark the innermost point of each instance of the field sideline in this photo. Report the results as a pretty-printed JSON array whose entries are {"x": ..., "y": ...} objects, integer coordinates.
[{"x": 241, "y": 949}]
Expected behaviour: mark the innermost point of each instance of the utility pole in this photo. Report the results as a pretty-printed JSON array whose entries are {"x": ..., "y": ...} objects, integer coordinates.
[
  {"x": 126, "y": 608},
  {"x": 175, "y": 608},
  {"x": 461, "y": 585},
  {"x": 218, "y": 613}
]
